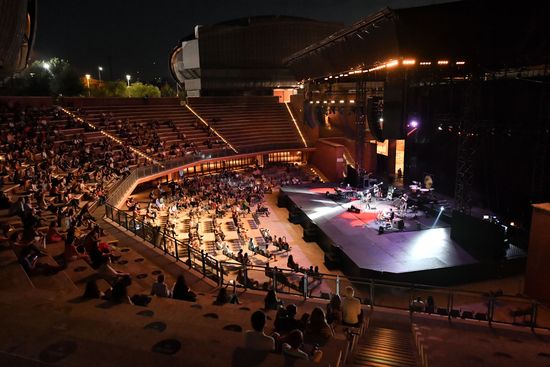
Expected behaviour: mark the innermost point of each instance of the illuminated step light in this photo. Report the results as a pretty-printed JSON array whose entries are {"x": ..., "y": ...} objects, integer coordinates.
[
  {"x": 425, "y": 63},
  {"x": 326, "y": 78},
  {"x": 442, "y": 62},
  {"x": 346, "y": 74},
  {"x": 311, "y": 102},
  {"x": 317, "y": 102},
  {"x": 351, "y": 72},
  {"x": 341, "y": 101},
  {"x": 364, "y": 71},
  {"x": 336, "y": 77},
  {"x": 332, "y": 101},
  {"x": 351, "y": 101},
  {"x": 392, "y": 63},
  {"x": 330, "y": 77},
  {"x": 409, "y": 62},
  {"x": 325, "y": 102},
  {"x": 461, "y": 62}
]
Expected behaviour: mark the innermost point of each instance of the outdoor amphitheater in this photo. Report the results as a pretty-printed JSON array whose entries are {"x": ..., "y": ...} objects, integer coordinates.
[{"x": 314, "y": 193}]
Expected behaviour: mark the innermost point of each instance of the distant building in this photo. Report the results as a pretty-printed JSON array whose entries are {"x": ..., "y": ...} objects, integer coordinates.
[{"x": 243, "y": 56}]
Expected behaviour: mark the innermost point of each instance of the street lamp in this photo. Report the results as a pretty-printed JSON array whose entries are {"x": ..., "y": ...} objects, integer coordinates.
[
  {"x": 128, "y": 77},
  {"x": 99, "y": 70},
  {"x": 88, "y": 76}
]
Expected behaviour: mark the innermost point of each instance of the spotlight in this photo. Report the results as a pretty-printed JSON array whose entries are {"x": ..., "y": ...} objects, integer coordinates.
[
  {"x": 512, "y": 224},
  {"x": 442, "y": 208},
  {"x": 440, "y": 128},
  {"x": 413, "y": 123}
]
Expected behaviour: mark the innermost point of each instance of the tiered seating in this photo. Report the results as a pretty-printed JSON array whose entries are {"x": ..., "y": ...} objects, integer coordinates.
[
  {"x": 249, "y": 122},
  {"x": 176, "y": 128}
]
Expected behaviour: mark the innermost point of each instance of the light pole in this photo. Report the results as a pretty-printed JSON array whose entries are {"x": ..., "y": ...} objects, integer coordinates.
[
  {"x": 128, "y": 77},
  {"x": 88, "y": 83},
  {"x": 99, "y": 70}
]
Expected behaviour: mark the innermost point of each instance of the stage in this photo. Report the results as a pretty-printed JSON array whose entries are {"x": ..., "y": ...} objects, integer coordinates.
[{"x": 422, "y": 251}]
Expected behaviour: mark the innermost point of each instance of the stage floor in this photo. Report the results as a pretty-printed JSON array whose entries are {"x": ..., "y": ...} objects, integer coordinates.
[{"x": 357, "y": 235}]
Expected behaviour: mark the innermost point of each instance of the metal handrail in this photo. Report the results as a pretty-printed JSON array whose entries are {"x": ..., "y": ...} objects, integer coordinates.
[{"x": 219, "y": 271}]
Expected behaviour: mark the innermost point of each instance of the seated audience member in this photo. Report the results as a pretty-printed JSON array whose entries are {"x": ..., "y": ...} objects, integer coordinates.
[
  {"x": 29, "y": 261},
  {"x": 92, "y": 290},
  {"x": 318, "y": 330},
  {"x": 271, "y": 302},
  {"x": 334, "y": 309},
  {"x": 73, "y": 252},
  {"x": 256, "y": 339},
  {"x": 119, "y": 291},
  {"x": 351, "y": 308},
  {"x": 285, "y": 321},
  {"x": 291, "y": 264},
  {"x": 160, "y": 289},
  {"x": 181, "y": 291},
  {"x": 53, "y": 235},
  {"x": 222, "y": 298},
  {"x": 292, "y": 345}
]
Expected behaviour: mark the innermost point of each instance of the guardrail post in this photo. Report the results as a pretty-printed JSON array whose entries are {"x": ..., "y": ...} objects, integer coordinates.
[
  {"x": 338, "y": 284},
  {"x": 245, "y": 275},
  {"x": 305, "y": 286},
  {"x": 164, "y": 242},
  {"x": 534, "y": 316},
  {"x": 490, "y": 310},
  {"x": 221, "y": 275},
  {"x": 203, "y": 261},
  {"x": 176, "y": 249},
  {"x": 275, "y": 272},
  {"x": 450, "y": 305},
  {"x": 372, "y": 294}
]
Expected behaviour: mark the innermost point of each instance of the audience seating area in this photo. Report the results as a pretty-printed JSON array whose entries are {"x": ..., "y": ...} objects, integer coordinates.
[
  {"x": 162, "y": 131},
  {"x": 249, "y": 122}
]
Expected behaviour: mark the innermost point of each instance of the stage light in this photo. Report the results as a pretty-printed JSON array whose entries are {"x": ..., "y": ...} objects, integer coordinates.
[
  {"x": 442, "y": 208},
  {"x": 413, "y": 123},
  {"x": 381, "y": 119},
  {"x": 512, "y": 224},
  {"x": 440, "y": 128}
]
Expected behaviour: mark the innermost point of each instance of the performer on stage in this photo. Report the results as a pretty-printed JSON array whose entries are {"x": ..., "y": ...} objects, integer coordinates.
[{"x": 368, "y": 199}]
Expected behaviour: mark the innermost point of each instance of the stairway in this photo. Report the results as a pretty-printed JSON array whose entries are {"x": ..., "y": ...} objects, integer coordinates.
[{"x": 385, "y": 347}]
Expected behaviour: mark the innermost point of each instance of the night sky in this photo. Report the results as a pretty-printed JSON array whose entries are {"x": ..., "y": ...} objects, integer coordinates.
[{"x": 137, "y": 36}]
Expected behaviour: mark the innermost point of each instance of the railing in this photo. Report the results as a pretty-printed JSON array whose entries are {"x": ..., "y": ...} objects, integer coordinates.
[
  {"x": 120, "y": 191},
  {"x": 448, "y": 303},
  {"x": 156, "y": 236}
]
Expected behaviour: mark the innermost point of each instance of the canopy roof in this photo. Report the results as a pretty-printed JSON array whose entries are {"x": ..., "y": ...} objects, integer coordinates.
[{"x": 487, "y": 34}]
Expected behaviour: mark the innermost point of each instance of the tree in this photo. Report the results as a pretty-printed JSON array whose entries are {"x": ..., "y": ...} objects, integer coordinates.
[
  {"x": 140, "y": 90},
  {"x": 59, "y": 77},
  {"x": 167, "y": 91},
  {"x": 109, "y": 89}
]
